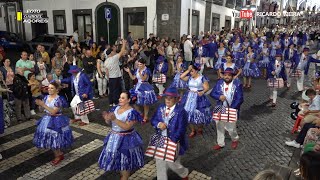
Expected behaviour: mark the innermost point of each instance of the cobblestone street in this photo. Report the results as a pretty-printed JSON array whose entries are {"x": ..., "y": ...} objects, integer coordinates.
[{"x": 262, "y": 131}]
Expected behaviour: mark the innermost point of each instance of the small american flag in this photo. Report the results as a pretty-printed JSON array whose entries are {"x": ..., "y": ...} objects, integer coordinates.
[
  {"x": 161, "y": 147},
  {"x": 220, "y": 109},
  {"x": 85, "y": 107},
  {"x": 228, "y": 115}
]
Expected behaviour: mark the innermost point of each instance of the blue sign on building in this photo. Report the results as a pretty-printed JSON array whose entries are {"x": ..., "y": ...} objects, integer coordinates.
[{"x": 107, "y": 13}]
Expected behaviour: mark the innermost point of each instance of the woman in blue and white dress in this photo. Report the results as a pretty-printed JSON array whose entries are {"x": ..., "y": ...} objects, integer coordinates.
[
  {"x": 220, "y": 54},
  {"x": 275, "y": 47},
  {"x": 229, "y": 64},
  {"x": 264, "y": 59},
  {"x": 250, "y": 69},
  {"x": 237, "y": 53},
  {"x": 255, "y": 42},
  {"x": 177, "y": 82},
  {"x": 122, "y": 150},
  {"x": 245, "y": 45},
  {"x": 143, "y": 92},
  {"x": 194, "y": 100},
  {"x": 53, "y": 131}
]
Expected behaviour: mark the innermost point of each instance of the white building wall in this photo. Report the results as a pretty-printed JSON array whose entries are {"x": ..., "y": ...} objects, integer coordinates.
[
  {"x": 196, "y": 5},
  {"x": 201, "y": 6},
  {"x": 224, "y": 11},
  {"x": 69, "y": 5}
]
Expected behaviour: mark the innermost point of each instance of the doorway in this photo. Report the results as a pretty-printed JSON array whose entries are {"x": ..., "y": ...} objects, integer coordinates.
[
  {"x": 195, "y": 22},
  {"x": 82, "y": 21},
  {"x": 227, "y": 25},
  {"x": 134, "y": 20},
  {"x": 102, "y": 26},
  {"x": 40, "y": 28},
  {"x": 215, "y": 22}
]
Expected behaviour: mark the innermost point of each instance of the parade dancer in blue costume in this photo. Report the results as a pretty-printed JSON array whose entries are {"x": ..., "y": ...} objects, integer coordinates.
[
  {"x": 255, "y": 42},
  {"x": 237, "y": 53},
  {"x": 230, "y": 64},
  {"x": 142, "y": 91},
  {"x": 212, "y": 48},
  {"x": 221, "y": 53},
  {"x": 81, "y": 89},
  {"x": 264, "y": 61},
  {"x": 285, "y": 43},
  {"x": 170, "y": 120},
  {"x": 161, "y": 68},
  {"x": 53, "y": 131},
  {"x": 122, "y": 150},
  {"x": 227, "y": 90},
  {"x": 276, "y": 69},
  {"x": 275, "y": 47},
  {"x": 2, "y": 112},
  {"x": 290, "y": 56},
  {"x": 302, "y": 64},
  {"x": 245, "y": 45},
  {"x": 295, "y": 39},
  {"x": 250, "y": 69},
  {"x": 201, "y": 56},
  {"x": 177, "y": 82},
  {"x": 195, "y": 101}
]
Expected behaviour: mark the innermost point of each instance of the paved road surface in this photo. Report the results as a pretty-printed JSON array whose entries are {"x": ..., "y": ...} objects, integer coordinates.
[{"x": 262, "y": 131}]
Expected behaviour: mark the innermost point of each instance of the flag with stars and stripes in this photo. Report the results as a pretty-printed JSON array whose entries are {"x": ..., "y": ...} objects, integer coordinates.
[{"x": 161, "y": 147}]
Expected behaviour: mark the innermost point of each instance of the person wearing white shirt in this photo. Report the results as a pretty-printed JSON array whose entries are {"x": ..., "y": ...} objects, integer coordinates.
[
  {"x": 187, "y": 47},
  {"x": 112, "y": 63},
  {"x": 76, "y": 36}
]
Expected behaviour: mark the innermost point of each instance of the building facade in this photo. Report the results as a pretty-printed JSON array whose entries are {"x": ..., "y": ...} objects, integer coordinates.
[{"x": 141, "y": 17}]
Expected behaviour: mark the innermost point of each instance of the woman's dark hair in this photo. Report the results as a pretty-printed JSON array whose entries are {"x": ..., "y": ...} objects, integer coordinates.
[
  {"x": 132, "y": 100},
  {"x": 251, "y": 48},
  {"x": 310, "y": 165},
  {"x": 127, "y": 93},
  {"x": 55, "y": 84},
  {"x": 29, "y": 75},
  {"x": 142, "y": 61},
  {"x": 229, "y": 55},
  {"x": 311, "y": 92},
  {"x": 96, "y": 45},
  {"x": 195, "y": 67}
]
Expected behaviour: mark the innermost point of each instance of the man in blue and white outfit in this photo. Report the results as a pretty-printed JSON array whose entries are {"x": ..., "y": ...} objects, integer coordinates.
[
  {"x": 227, "y": 90},
  {"x": 171, "y": 120},
  {"x": 81, "y": 89}
]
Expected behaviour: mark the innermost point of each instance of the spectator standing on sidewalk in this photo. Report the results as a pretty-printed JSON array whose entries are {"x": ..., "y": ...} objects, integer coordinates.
[
  {"x": 89, "y": 64},
  {"x": 25, "y": 64},
  {"x": 187, "y": 47},
  {"x": 112, "y": 64},
  {"x": 45, "y": 57},
  {"x": 57, "y": 61},
  {"x": 102, "y": 76},
  {"x": 129, "y": 40},
  {"x": 21, "y": 94},
  {"x": 76, "y": 35},
  {"x": 37, "y": 54},
  {"x": 35, "y": 87}
]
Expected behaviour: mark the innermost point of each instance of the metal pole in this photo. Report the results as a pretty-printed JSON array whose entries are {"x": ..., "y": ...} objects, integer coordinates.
[
  {"x": 108, "y": 31},
  {"x": 211, "y": 18},
  {"x": 190, "y": 16},
  {"x": 255, "y": 18}
]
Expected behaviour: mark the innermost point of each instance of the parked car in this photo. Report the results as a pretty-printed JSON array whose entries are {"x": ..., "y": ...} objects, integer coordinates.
[
  {"x": 48, "y": 41},
  {"x": 9, "y": 40}
]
